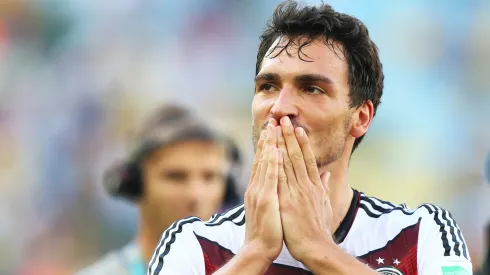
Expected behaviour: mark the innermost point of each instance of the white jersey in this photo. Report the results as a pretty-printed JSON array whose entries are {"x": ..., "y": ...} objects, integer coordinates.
[{"x": 391, "y": 239}]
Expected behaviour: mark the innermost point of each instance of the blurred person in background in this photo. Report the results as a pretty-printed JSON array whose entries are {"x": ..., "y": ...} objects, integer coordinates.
[
  {"x": 485, "y": 267},
  {"x": 318, "y": 83},
  {"x": 179, "y": 167}
]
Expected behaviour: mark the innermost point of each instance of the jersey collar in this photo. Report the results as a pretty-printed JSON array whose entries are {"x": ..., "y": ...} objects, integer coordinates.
[{"x": 348, "y": 220}]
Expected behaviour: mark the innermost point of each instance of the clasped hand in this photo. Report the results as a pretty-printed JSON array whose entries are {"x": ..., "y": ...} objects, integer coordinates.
[{"x": 287, "y": 198}]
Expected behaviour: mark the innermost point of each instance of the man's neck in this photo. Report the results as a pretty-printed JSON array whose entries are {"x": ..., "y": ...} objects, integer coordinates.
[
  {"x": 340, "y": 192},
  {"x": 147, "y": 238},
  {"x": 341, "y": 196}
]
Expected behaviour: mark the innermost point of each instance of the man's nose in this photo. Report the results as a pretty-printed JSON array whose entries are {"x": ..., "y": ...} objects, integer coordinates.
[
  {"x": 195, "y": 190},
  {"x": 285, "y": 105}
]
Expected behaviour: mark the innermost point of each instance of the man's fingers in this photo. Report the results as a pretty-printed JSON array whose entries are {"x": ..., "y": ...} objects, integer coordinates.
[
  {"x": 282, "y": 188},
  {"x": 309, "y": 156},
  {"x": 261, "y": 144},
  {"x": 270, "y": 141},
  {"x": 257, "y": 182},
  {"x": 287, "y": 165},
  {"x": 271, "y": 174},
  {"x": 271, "y": 133},
  {"x": 273, "y": 121},
  {"x": 294, "y": 150},
  {"x": 258, "y": 154},
  {"x": 281, "y": 145}
]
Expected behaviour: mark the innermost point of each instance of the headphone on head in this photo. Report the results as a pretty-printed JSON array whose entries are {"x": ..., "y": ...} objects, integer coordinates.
[{"x": 169, "y": 125}]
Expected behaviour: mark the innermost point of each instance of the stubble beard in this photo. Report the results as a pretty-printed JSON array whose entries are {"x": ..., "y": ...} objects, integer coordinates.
[{"x": 330, "y": 143}]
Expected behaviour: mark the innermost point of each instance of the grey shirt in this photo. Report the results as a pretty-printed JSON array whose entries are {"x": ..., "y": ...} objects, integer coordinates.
[{"x": 126, "y": 261}]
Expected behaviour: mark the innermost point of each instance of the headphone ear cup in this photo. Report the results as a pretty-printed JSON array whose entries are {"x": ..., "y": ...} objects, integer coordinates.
[
  {"x": 232, "y": 196},
  {"x": 124, "y": 180},
  {"x": 132, "y": 185},
  {"x": 231, "y": 193}
]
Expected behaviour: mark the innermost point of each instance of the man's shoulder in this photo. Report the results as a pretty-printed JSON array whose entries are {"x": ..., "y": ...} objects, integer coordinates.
[
  {"x": 225, "y": 221},
  {"x": 189, "y": 239},
  {"x": 108, "y": 264},
  {"x": 376, "y": 208},
  {"x": 379, "y": 223},
  {"x": 429, "y": 221},
  {"x": 426, "y": 219},
  {"x": 383, "y": 230},
  {"x": 222, "y": 228},
  {"x": 234, "y": 216}
]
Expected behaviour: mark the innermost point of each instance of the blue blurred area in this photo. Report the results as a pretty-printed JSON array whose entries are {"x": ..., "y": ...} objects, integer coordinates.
[{"x": 76, "y": 77}]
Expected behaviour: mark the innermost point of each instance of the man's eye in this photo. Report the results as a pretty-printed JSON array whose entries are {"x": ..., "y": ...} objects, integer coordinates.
[
  {"x": 175, "y": 176},
  {"x": 266, "y": 87},
  {"x": 314, "y": 90}
]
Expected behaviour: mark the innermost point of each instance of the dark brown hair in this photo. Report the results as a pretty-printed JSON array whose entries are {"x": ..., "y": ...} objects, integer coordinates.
[{"x": 293, "y": 20}]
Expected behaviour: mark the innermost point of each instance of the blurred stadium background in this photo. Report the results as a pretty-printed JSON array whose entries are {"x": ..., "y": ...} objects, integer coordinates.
[{"x": 77, "y": 75}]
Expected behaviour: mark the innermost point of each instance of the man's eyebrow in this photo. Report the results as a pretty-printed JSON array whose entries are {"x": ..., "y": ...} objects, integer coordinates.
[
  {"x": 313, "y": 78},
  {"x": 267, "y": 77},
  {"x": 300, "y": 78}
]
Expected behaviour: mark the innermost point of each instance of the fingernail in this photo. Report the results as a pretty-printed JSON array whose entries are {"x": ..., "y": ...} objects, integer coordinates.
[
  {"x": 274, "y": 121},
  {"x": 300, "y": 132},
  {"x": 325, "y": 175},
  {"x": 279, "y": 131},
  {"x": 271, "y": 121},
  {"x": 285, "y": 121}
]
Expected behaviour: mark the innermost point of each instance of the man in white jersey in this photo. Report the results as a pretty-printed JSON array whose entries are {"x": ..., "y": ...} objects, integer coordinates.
[{"x": 318, "y": 84}]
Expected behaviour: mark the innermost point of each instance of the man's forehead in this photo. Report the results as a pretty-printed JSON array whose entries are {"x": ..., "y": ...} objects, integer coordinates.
[
  {"x": 188, "y": 149},
  {"x": 307, "y": 56}
]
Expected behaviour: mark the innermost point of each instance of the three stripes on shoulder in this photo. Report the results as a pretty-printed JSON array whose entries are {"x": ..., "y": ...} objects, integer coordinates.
[{"x": 376, "y": 208}]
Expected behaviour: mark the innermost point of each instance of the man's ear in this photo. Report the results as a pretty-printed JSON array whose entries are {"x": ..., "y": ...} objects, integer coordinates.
[{"x": 362, "y": 118}]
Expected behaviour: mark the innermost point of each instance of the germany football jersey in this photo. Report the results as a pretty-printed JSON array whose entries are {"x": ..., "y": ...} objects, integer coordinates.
[{"x": 391, "y": 239}]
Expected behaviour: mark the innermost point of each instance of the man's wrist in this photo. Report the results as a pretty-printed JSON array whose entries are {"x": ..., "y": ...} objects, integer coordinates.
[
  {"x": 310, "y": 249},
  {"x": 320, "y": 253},
  {"x": 255, "y": 255}
]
